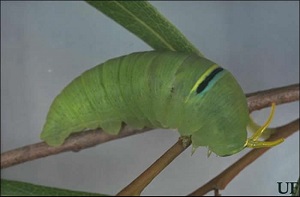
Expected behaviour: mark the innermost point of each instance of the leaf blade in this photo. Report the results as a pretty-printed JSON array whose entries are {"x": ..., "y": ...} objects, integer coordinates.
[
  {"x": 146, "y": 22},
  {"x": 9, "y": 188}
]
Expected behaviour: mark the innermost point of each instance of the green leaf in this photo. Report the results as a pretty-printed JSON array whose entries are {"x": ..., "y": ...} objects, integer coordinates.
[
  {"x": 143, "y": 19},
  {"x": 14, "y": 188}
]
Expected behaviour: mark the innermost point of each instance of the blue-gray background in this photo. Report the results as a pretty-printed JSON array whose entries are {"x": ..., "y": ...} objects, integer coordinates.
[{"x": 44, "y": 45}]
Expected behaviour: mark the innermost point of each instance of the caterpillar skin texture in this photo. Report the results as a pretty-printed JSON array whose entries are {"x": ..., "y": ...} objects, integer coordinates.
[{"x": 171, "y": 90}]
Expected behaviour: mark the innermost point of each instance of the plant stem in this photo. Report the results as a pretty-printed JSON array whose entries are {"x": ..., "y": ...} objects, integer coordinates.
[
  {"x": 74, "y": 143},
  {"x": 138, "y": 185},
  {"x": 281, "y": 95}
]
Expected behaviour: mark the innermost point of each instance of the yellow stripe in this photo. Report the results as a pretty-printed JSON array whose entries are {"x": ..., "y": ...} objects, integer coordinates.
[{"x": 202, "y": 78}]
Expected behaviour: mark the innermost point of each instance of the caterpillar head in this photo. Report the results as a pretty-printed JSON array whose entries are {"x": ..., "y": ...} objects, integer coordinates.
[{"x": 217, "y": 115}]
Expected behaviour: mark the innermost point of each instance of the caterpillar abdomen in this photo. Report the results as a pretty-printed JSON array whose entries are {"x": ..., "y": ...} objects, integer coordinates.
[{"x": 152, "y": 89}]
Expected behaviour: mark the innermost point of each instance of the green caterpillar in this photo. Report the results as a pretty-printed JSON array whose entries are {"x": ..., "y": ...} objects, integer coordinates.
[{"x": 171, "y": 90}]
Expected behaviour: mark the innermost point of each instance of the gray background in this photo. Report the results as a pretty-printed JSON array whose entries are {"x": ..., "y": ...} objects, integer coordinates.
[{"x": 44, "y": 45}]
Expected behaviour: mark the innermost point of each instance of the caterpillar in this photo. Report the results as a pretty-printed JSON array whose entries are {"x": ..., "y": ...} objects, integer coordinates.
[{"x": 155, "y": 89}]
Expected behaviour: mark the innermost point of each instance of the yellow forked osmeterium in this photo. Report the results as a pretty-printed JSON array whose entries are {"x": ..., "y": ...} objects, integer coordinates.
[{"x": 253, "y": 142}]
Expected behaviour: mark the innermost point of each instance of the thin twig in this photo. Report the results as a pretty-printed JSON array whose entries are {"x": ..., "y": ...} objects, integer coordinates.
[
  {"x": 222, "y": 180},
  {"x": 281, "y": 95},
  {"x": 217, "y": 192},
  {"x": 88, "y": 139},
  {"x": 138, "y": 185},
  {"x": 74, "y": 143}
]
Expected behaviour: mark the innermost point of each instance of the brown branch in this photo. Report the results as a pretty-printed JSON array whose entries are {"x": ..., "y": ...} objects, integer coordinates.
[
  {"x": 222, "y": 180},
  {"x": 262, "y": 99},
  {"x": 74, "y": 143},
  {"x": 88, "y": 139},
  {"x": 138, "y": 185}
]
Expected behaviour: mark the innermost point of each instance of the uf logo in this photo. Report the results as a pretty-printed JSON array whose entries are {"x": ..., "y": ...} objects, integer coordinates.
[{"x": 292, "y": 187}]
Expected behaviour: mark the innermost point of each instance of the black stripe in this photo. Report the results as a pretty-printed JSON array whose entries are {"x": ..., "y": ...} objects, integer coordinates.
[{"x": 205, "y": 82}]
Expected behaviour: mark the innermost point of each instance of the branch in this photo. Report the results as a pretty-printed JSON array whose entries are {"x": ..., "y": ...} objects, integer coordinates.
[
  {"x": 138, "y": 185},
  {"x": 262, "y": 99},
  {"x": 92, "y": 138},
  {"x": 222, "y": 180},
  {"x": 74, "y": 143}
]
